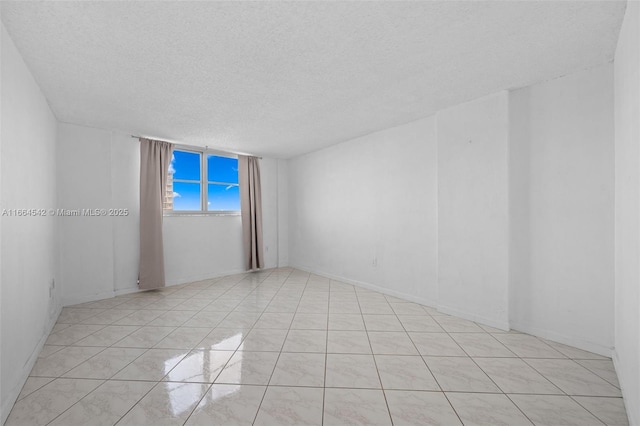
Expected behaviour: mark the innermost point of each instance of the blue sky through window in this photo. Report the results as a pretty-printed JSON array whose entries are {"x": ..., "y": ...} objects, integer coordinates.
[
  {"x": 222, "y": 169},
  {"x": 186, "y": 196},
  {"x": 222, "y": 194},
  {"x": 223, "y": 197},
  {"x": 186, "y": 165}
]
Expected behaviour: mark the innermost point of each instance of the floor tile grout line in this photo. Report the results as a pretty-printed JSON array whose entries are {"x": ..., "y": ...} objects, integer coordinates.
[
  {"x": 384, "y": 395},
  {"x": 326, "y": 357},
  {"x": 518, "y": 407},
  {"x": 516, "y": 356},
  {"x": 493, "y": 381},
  {"x": 427, "y": 365},
  {"x": 137, "y": 402},
  {"x": 72, "y": 405},
  {"x": 474, "y": 361},
  {"x": 541, "y": 340},
  {"x": 35, "y": 390},
  {"x": 603, "y": 378},
  {"x": 128, "y": 364},
  {"x": 252, "y": 288},
  {"x": 498, "y": 386},
  {"x": 499, "y": 342},
  {"x": 544, "y": 375},
  {"x": 189, "y": 351},
  {"x": 512, "y": 350},
  {"x": 266, "y": 389},
  {"x": 420, "y": 354},
  {"x": 590, "y": 412},
  {"x": 336, "y": 387},
  {"x": 133, "y": 331},
  {"x": 240, "y": 344},
  {"x": 60, "y": 376},
  {"x": 204, "y": 395},
  {"x": 219, "y": 322},
  {"x": 213, "y": 381},
  {"x": 558, "y": 386},
  {"x": 76, "y": 324}
]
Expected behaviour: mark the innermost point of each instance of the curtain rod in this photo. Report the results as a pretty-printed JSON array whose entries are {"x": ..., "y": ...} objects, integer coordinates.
[{"x": 205, "y": 147}]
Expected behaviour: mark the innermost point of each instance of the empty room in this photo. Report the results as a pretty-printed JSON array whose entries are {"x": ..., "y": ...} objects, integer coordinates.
[{"x": 320, "y": 213}]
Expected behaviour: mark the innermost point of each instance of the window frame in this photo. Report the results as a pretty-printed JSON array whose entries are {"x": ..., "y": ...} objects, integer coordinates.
[{"x": 204, "y": 183}]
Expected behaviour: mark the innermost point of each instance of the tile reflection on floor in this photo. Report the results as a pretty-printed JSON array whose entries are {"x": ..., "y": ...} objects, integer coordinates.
[{"x": 284, "y": 346}]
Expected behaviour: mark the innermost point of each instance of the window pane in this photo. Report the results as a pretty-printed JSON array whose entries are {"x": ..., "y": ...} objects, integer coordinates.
[
  {"x": 186, "y": 196},
  {"x": 185, "y": 165},
  {"x": 222, "y": 169},
  {"x": 223, "y": 197}
]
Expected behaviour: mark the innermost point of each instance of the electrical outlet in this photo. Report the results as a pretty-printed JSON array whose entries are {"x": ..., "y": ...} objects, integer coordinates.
[{"x": 374, "y": 263}]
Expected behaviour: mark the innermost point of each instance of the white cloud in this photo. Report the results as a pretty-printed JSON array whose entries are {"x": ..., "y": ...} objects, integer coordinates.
[
  {"x": 176, "y": 194},
  {"x": 172, "y": 170}
]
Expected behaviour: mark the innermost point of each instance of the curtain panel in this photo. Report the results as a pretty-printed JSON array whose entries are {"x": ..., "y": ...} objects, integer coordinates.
[
  {"x": 155, "y": 157},
  {"x": 251, "y": 206}
]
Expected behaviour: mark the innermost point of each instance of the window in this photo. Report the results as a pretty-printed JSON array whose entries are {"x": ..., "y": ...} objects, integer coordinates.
[{"x": 200, "y": 182}]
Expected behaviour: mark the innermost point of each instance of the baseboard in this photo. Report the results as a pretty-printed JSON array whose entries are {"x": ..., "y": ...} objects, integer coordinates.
[
  {"x": 126, "y": 290},
  {"x": 565, "y": 340},
  {"x": 525, "y": 328},
  {"x": 76, "y": 300},
  {"x": 201, "y": 277},
  {"x": 633, "y": 411},
  {"x": 502, "y": 325},
  {"x": 410, "y": 298},
  {"x": 369, "y": 286},
  {"x": 14, "y": 392}
]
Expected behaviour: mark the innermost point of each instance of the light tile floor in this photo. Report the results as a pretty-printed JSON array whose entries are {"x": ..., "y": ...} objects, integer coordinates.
[{"x": 286, "y": 347}]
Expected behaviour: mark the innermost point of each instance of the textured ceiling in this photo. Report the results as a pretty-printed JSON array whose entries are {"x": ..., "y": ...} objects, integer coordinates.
[{"x": 284, "y": 78}]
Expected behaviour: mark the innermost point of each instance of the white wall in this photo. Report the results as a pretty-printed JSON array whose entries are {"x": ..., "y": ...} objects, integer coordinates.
[
  {"x": 29, "y": 244},
  {"x": 627, "y": 210},
  {"x": 203, "y": 247},
  {"x": 473, "y": 210},
  {"x": 269, "y": 181},
  {"x": 3, "y": 408},
  {"x": 200, "y": 247},
  {"x": 125, "y": 193},
  {"x": 283, "y": 213},
  {"x": 524, "y": 222},
  {"x": 365, "y": 211},
  {"x": 99, "y": 255},
  {"x": 562, "y": 199},
  {"x": 97, "y": 169},
  {"x": 87, "y": 244}
]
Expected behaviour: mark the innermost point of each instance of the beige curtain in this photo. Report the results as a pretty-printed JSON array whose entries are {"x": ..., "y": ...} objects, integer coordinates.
[
  {"x": 155, "y": 157},
  {"x": 251, "y": 205}
]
